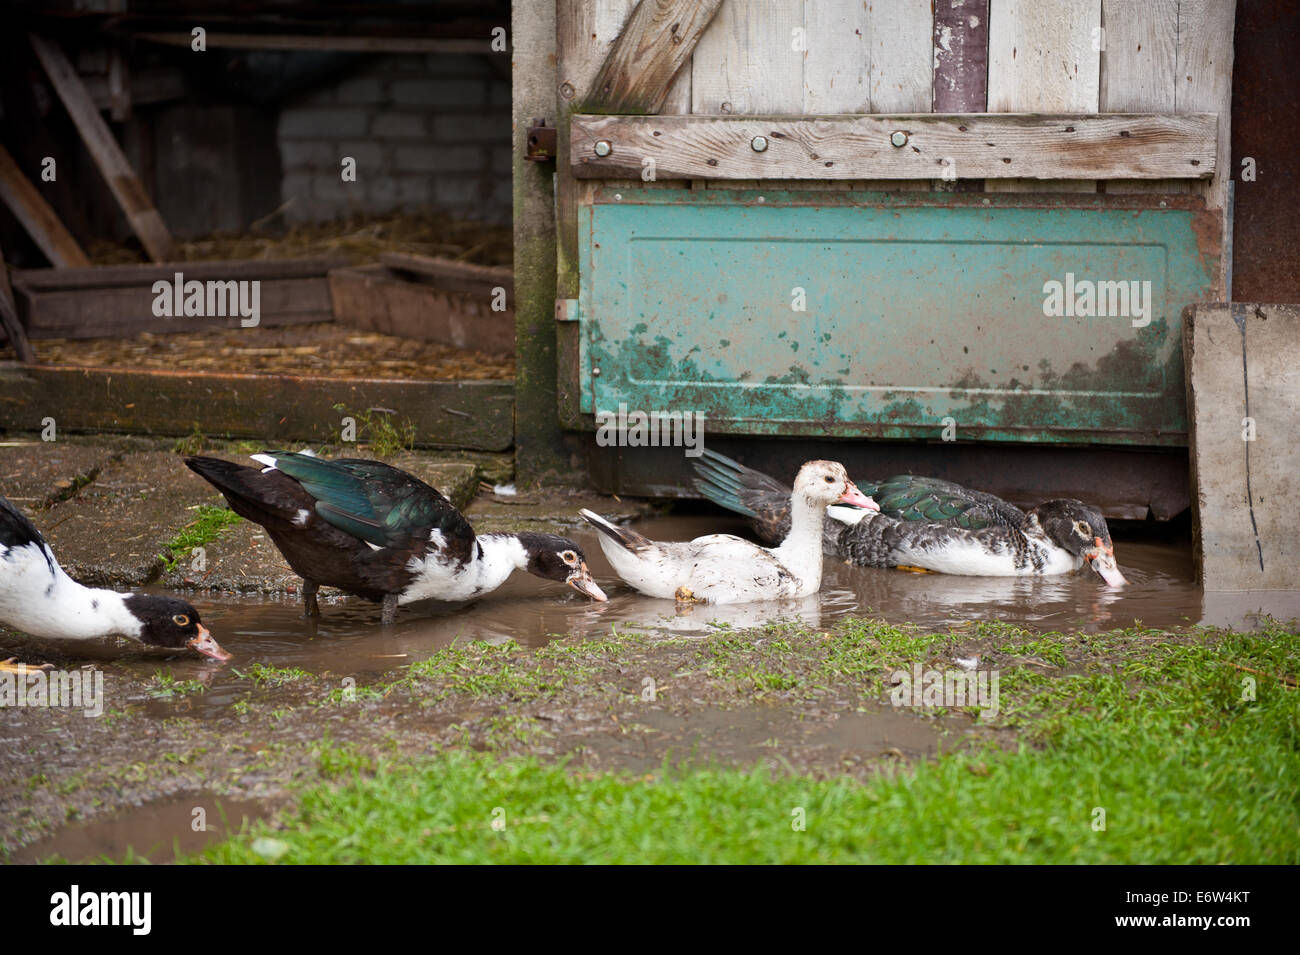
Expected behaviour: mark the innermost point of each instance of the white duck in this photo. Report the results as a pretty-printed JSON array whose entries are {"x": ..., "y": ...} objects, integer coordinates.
[
  {"x": 37, "y": 597},
  {"x": 722, "y": 568}
]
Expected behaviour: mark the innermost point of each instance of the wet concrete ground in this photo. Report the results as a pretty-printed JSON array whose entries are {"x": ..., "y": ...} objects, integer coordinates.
[{"x": 181, "y": 734}]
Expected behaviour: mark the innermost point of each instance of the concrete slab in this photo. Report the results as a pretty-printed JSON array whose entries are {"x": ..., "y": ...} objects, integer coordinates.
[
  {"x": 550, "y": 511},
  {"x": 112, "y": 533},
  {"x": 35, "y": 474},
  {"x": 1243, "y": 374}
]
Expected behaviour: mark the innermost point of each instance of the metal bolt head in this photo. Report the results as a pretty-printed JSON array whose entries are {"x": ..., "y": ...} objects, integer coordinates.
[
  {"x": 603, "y": 148},
  {"x": 898, "y": 138},
  {"x": 595, "y": 372},
  {"x": 758, "y": 143}
]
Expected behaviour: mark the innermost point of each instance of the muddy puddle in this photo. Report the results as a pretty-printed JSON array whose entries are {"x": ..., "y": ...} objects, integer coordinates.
[
  {"x": 159, "y": 831},
  {"x": 348, "y": 639}
]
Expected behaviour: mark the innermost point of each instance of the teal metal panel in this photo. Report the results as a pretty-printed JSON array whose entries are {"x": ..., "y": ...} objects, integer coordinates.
[{"x": 914, "y": 310}]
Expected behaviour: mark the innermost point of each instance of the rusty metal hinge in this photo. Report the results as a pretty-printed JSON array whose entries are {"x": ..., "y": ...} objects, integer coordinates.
[{"x": 541, "y": 142}]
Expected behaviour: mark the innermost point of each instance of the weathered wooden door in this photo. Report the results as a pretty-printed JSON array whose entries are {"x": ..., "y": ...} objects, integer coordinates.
[{"x": 886, "y": 219}]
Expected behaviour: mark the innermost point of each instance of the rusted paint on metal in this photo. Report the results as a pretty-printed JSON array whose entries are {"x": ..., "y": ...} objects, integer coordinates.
[{"x": 918, "y": 309}]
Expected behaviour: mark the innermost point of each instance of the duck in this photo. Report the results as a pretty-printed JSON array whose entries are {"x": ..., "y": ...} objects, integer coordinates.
[
  {"x": 723, "y": 568},
  {"x": 379, "y": 533},
  {"x": 928, "y": 524},
  {"x": 38, "y": 597}
]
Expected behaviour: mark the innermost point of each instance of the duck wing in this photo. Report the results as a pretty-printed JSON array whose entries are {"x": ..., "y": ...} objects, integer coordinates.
[
  {"x": 911, "y": 497},
  {"x": 763, "y": 499},
  {"x": 377, "y": 503}
]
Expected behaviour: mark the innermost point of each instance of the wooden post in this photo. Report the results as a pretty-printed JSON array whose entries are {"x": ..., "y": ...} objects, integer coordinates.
[
  {"x": 112, "y": 162},
  {"x": 30, "y": 208},
  {"x": 539, "y": 446}
]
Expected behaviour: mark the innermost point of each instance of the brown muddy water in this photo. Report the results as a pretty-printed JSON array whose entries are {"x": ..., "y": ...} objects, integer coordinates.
[{"x": 348, "y": 639}]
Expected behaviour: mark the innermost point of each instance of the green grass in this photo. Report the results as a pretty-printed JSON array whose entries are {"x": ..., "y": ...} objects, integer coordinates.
[
  {"x": 1162, "y": 737},
  {"x": 379, "y": 430},
  {"x": 165, "y": 686},
  {"x": 204, "y": 529}
]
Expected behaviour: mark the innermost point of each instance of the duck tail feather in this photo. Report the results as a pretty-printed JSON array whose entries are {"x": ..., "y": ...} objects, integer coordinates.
[{"x": 625, "y": 538}]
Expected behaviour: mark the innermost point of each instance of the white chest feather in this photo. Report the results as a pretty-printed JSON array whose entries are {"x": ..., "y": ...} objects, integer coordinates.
[{"x": 438, "y": 577}]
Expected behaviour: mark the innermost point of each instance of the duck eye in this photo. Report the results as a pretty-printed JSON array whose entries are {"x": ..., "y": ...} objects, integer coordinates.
[
  {"x": 569, "y": 557},
  {"x": 1082, "y": 529},
  {"x": 829, "y": 479},
  {"x": 181, "y": 620}
]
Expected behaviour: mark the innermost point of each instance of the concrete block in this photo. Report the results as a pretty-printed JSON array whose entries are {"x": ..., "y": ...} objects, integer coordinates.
[
  {"x": 439, "y": 92},
  {"x": 369, "y": 157},
  {"x": 458, "y": 191},
  {"x": 306, "y": 152},
  {"x": 489, "y": 126},
  {"x": 361, "y": 89},
  {"x": 400, "y": 126},
  {"x": 414, "y": 189},
  {"x": 319, "y": 123},
  {"x": 1243, "y": 375},
  {"x": 439, "y": 159}
]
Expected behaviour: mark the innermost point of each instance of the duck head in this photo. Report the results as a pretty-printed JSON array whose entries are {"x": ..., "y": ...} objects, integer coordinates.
[
  {"x": 826, "y": 482},
  {"x": 560, "y": 559},
  {"x": 1081, "y": 530},
  {"x": 168, "y": 622}
]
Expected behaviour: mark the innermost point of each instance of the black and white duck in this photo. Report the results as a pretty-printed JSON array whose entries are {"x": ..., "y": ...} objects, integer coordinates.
[
  {"x": 722, "y": 568},
  {"x": 929, "y": 524},
  {"x": 38, "y": 597},
  {"x": 382, "y": 534}
]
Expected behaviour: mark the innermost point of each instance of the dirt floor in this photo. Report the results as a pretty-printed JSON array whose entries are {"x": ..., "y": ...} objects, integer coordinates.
[{"x": 315, "y": 349}]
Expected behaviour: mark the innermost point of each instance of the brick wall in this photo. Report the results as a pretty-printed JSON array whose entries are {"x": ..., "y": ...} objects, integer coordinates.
[{"x": 427, "y": 133}]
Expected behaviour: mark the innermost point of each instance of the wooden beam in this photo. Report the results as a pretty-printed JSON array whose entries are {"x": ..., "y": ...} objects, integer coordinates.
[
  {"x": 144, "y": 219},
  {"x": 983, "y": 146},
  {"x": 656, "y": 42},
  {"x": 9, "y": 319},
  {"x": 30, "y": 208},
  {"x": 478, "y": 415},
  {"x": 349, "y": 44}
]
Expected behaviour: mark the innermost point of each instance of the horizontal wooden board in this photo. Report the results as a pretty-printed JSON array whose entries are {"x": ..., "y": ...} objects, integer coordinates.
[
  {"x": 452, "y": 275},
  {"x": 128, "y": 310},
  {"x": 978, "y": 145},
  {"x": 375, "y": 299},
  {"x": 477, "y": 415},
  {"x": 112, "y": 276}
]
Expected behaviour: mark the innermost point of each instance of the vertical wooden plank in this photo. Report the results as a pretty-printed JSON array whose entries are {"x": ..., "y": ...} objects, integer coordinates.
[
  {"x": 961, "y": 56},
  {"x": 837, "y": 57},
  {"x": 1204, "y": 79},
  {"x": 539, "y": 449},
  {"x": 902, "y": 67},
  {"x": 29, "y": 207},
  {"x": 1041, "y": 59},
  {"x": 584, "y": 32},
  {"x": 746, "y": 63},
  {"x": 902, "y": 56},
  {"x": 961, "y": 69},
  {"x": 144, "y": 219},
  {"x": 1137, "y": 70}
]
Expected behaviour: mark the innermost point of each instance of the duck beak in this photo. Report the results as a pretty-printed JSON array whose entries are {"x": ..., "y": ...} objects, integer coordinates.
[
  {"x": 582, "y": 581},
  {"x": 205, "y": 645},
  {"x": 856, "y": 498},
  {"x": 1102, "y": 558}
]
